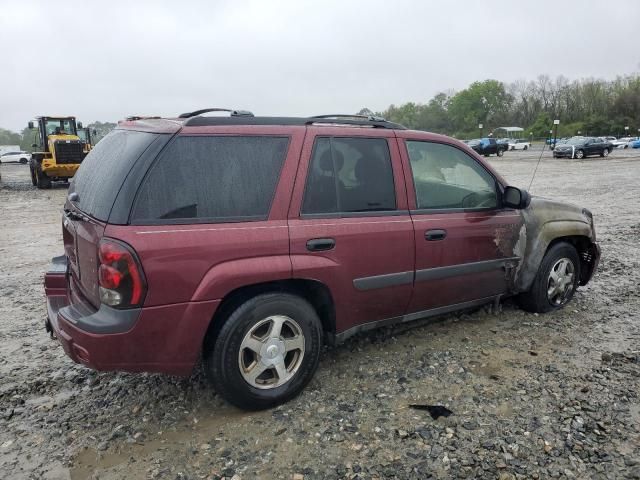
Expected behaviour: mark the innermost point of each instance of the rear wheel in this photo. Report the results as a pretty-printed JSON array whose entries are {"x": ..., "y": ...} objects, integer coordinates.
[
  {"x": 266, "y": 352},
  {"x": 23, "y": 161},
  {"x": 500, "y": 152},
  {"x": 555, "y": 282}
]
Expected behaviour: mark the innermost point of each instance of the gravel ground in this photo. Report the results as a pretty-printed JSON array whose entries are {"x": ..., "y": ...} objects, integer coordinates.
[{"x": 551, "y": 396}]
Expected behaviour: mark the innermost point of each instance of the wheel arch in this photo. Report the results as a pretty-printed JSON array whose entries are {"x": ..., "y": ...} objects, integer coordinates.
[
  {"x": 577, "y": 234},
  {"x": 313, "y": 291}
]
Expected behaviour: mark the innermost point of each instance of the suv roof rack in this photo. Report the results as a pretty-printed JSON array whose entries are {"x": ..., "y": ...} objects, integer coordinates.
[
  {"x": 339, "y": 116},
  {"x": 345, "y": 120},
  {"x": 233, "y": 113}
]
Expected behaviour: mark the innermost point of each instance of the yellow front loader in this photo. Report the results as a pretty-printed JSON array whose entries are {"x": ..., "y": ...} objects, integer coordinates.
[{"x": 58, "y": 151}]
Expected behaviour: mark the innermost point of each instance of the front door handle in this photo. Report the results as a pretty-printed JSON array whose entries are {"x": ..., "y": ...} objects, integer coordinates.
[
  {"x": 320, "y": 244},
  {"x": 432, "y": 235}
]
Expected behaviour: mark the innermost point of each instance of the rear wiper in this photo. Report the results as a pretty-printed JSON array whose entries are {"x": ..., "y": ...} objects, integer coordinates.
[{"x": 73, "y": 215}]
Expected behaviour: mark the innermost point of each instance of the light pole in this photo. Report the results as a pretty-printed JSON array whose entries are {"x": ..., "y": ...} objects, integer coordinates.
[
  {"x": 480, "y": 127},
  {"x": 555, "y": 128},
  {"x": 626, "y": 131},
  {"x": 530, "y": 137}
]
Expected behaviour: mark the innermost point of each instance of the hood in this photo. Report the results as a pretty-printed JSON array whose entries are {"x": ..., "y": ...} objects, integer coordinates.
[{"x": 547, "y": 210}]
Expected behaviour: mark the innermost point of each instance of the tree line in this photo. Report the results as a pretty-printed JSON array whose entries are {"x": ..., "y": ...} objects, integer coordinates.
[{"x": 589, "y": 106}]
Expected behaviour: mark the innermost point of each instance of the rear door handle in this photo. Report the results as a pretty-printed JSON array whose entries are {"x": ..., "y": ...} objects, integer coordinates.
[
  {"x": 320, "y": 244},
  {"x": 432, "y": 235}
]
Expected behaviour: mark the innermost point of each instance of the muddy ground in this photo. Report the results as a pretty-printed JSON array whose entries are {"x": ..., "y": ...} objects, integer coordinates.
[{"x": 552, "y": 396}]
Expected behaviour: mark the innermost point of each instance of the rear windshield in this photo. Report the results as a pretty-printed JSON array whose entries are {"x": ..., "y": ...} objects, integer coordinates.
[{"x": 102, "y": 172}]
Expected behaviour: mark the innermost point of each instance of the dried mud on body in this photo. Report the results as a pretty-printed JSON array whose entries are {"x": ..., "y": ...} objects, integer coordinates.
[{"x": 550, "y": 396}]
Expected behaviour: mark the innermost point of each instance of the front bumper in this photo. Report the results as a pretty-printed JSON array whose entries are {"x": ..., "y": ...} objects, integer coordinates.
[
  {"x": 164, "y": 339},
  {"x": 590, "y": 262},
  {"x": 563, "y": 153},
  {"x": 60, "y": 170}
]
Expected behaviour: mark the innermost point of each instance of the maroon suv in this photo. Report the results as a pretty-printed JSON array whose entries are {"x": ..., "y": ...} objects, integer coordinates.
[{"x": 248, "y": 241}]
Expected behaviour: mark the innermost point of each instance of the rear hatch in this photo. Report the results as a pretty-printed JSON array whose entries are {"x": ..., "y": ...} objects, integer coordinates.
[{"x": 92, "y": 194}]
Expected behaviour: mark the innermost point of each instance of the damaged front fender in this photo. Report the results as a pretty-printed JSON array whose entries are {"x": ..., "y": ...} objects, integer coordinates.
[{"x": 547, "y": 221}]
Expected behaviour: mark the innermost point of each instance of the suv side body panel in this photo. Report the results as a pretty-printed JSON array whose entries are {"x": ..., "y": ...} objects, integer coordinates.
[
  {"x": 478, "y": 256},
  {"x": 372, "y": 249}
]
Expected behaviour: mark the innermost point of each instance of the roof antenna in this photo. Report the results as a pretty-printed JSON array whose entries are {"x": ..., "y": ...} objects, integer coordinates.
[{"x": 540, "y": 158}]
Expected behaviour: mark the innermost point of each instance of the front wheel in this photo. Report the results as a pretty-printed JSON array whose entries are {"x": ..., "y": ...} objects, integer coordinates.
[
  {"x": 266, "y": 352},
  {"x": 42, "y": 181},
  {"x": 526, "y": 147},
  {"x": 34, "y": 179},
  {"x": 605, "y": 153},
  {"x": 579, "y": 154},
  {"x": 556, "y": 280}
]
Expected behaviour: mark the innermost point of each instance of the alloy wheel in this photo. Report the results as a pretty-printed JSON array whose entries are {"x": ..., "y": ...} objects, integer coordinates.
[
  {"x": 560, "y": 283},
  {"x": 271, "y": 352}
]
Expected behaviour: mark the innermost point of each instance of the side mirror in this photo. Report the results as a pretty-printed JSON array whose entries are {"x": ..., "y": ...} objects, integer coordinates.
[
  {"x": 513, "y": 197},
  {"x": 34, "y": 145},
  {"x": 30, "y": 125},
  {"x": 79, "y": 124}
]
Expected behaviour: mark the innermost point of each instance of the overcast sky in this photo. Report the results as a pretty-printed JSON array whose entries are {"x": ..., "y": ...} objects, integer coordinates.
[{"x": 105, "y": 60}]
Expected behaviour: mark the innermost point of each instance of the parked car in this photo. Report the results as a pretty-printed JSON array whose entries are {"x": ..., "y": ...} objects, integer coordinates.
[
  {"x": 558, "y": 141},
  {"x": 581, "y": 147},
  {"x": 622, "y": 142},
  {"x": 489, "y": 146},
  {"x": 15, "y": 157},
  {"x": 635, "y": 144},
  {"x": 519, "y": 144},
  {"x": 248, "y": 241}
]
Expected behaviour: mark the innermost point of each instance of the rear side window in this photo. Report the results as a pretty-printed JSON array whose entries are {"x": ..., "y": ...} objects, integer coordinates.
[
  {"x": 349, "y": 175},
  {"x": 212, "y": 179},
  {"x": 104, "y": 169}
]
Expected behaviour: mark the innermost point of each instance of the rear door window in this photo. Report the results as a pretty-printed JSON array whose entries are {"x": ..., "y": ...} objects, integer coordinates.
[
  {"x": 349, "y": 175},
  {"x": 104, "y": 169},
  {"x": 210, "y": 179}
]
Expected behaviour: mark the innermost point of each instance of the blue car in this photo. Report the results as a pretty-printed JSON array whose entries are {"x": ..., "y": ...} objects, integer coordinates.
[{"x": 635, "y": 144}]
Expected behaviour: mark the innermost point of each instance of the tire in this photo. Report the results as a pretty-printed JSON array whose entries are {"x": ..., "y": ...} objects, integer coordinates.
[
  {"x": 579, "y": 154},
  {"x": 526, "y": 147},
  {"x": 23, "y": 161},
  {"x": 540, "y": 298},
  {"x": 500, "y": 152},
  {"x": 605, "y": 153},
  {"x": 42, "y": 181},
  {"x": 227, "y": 356},
  {"x": 34, "y": 180}
]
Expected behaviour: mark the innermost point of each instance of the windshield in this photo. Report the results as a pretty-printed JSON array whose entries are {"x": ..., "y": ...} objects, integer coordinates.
[
  {"x": 82, "y": 134},
  {"x": 60, "y": 127}
]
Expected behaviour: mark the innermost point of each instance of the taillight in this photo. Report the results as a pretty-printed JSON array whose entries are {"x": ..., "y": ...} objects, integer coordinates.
[{"x": 120, "y": 276}]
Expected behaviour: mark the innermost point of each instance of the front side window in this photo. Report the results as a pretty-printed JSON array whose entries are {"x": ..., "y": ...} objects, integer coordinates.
[
  {"x": 447, "y": 178},
  {"x": 349, "y": 175},
  {"x": 212, "y": 179}
]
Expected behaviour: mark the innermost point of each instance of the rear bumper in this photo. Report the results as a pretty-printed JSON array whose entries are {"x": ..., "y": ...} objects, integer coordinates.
[
  {"x": 165, "y": 339},
  {"x": 60, "y": 169}
]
